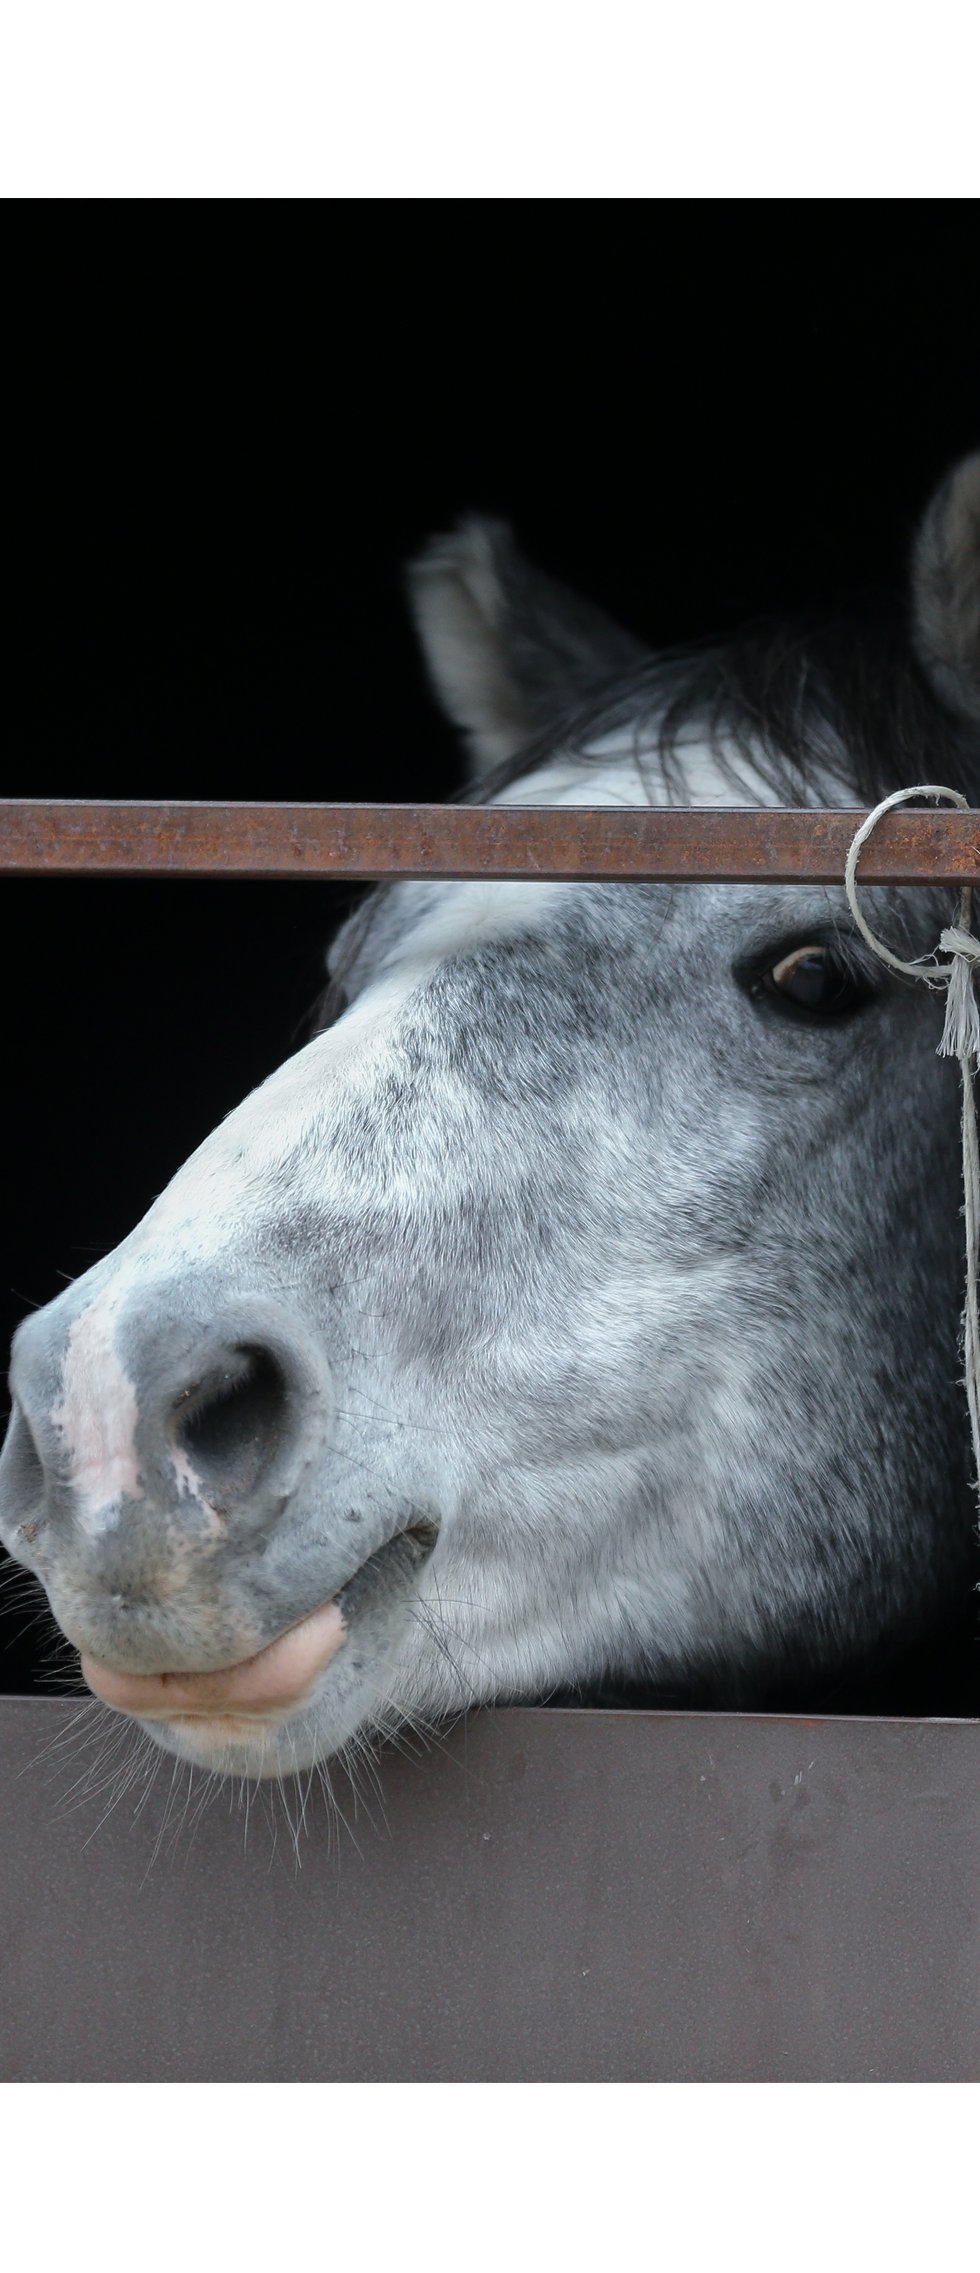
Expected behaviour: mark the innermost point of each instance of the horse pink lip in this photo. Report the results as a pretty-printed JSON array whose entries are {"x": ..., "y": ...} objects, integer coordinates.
[{"x": 273, "y": 1681}]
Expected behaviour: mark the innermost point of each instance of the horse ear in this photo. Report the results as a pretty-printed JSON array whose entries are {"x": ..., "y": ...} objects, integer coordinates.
[
  {"x": 946, "y": 590},
  {"x": 509, "y": 651}
]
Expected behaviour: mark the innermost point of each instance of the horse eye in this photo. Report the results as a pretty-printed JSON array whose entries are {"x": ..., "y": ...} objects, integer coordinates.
[{"x": 810, "y": 979}]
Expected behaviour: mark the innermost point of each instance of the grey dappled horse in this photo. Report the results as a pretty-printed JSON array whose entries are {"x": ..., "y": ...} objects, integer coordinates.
[{"x": 580, "y": 1306}]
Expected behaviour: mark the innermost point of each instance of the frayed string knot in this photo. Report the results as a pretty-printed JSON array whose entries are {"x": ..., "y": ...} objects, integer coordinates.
[{"x": 961, "y": 1040}]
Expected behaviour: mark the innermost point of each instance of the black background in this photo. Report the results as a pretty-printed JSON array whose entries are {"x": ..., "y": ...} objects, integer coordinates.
[{"x": 231, "y": 426}]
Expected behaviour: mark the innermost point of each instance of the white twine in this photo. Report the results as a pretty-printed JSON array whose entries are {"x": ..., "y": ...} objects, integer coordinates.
[{"x": 960, "y": 1039}]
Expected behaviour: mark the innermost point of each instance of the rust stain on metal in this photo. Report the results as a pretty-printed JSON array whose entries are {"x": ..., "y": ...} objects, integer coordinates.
[{"x": 550, "y": 843}]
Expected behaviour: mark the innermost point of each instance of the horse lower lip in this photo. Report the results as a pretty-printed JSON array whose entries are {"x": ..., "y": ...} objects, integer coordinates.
[{"x": 275, "y": 1680}]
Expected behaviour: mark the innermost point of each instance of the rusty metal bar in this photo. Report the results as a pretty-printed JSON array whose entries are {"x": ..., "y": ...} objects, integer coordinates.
[{"x": 42, "y": 836}]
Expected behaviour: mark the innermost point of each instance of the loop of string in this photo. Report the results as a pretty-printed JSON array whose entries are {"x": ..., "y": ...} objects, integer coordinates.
[{"x": 960, "y": 1039}]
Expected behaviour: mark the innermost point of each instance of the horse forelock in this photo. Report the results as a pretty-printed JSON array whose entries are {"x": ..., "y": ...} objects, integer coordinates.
[{"x": 831, "y": 713}]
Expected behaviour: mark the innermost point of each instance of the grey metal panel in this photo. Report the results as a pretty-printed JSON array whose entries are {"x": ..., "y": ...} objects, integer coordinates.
[{"x": 552, "y": 1895}]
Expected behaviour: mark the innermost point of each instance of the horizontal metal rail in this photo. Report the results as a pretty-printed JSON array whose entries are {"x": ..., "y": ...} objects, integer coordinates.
[{"x": 45, "y": 837}]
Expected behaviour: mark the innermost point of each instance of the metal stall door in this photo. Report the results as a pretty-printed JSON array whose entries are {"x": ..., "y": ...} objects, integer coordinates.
[{"x": 540, "y": 1896}]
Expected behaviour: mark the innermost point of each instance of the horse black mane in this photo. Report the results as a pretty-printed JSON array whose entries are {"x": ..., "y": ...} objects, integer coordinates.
[{"x": 789, "y": 701}]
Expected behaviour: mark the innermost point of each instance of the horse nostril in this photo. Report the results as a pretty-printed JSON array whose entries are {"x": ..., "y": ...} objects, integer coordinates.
[
  {"x": 22, "y": 1480},
  {"x": 232, "y": 1424}
]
